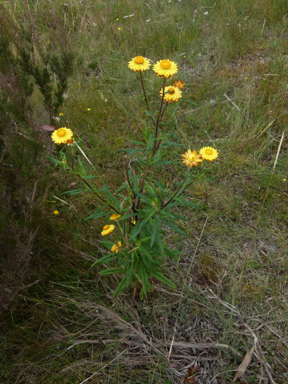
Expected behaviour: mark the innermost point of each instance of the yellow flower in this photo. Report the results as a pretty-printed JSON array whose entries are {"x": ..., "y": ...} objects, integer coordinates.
[
  {"x": 209, "y": 153},
  {"x": 88, "y": 109},
  {"x": 139, "y": 63},
  {"x": 284, "y": 179},
  {"x": 62, "y": 135},
  {"x": 55, "y": 212},
  {"x": 119, "y": 28},
  {"x": 60, "y": 114},
  {"x": 171, "y": 94},
  {"x": 179, "y": 84},
  {"x": 115, "y": 216},
  {"x": 165, "y": 68},
  {"x": 192, "y": 158},
  {"x": 116, "y": 247},
  {"x": 107, "y": 229}
]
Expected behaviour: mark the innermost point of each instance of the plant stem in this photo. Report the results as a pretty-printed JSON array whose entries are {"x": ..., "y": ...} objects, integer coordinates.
[
  {"x": 99, "y": 197},
  {"x": 146, "y": 100},
  {"x": 172, "y": 197},
  {"x": 159, "y": 115}
]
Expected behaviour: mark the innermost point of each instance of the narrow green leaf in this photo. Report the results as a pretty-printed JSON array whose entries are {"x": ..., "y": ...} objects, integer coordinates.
[
  {"x": 174, "y": 228},
  {"x": 105, "y": 259},
  {"x": 162, "y": 278},
  {"x": 109, "y": 271},
  {"x": 74, "y": 192},
  {"x": 98, "y": 213},
  {"x": 122, "y": 285}
]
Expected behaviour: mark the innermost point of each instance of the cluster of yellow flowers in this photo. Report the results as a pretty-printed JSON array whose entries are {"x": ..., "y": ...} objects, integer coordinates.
[
  {"x": 163, "y": 68},
  {"x": 107, "y": 229},
  {"x": 194, "y": 159}
]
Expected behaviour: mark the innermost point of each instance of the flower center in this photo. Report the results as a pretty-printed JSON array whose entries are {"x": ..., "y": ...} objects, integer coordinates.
[
  {"x": 191, "y": 157},
  {"x": 106, "y": 227},
  {"x": 171, "y": 90},
  {"x": 208, "y": 151},
  {"x": 139, "y": 60},
  {"x": 165, "y": 64},
  {"x": 61, "y": 132}
]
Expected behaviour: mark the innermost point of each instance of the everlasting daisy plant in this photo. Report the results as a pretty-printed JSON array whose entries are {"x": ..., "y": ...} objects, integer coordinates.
[
  {"x": 62, "y": 135},
  {"x": 172, "y": 94},
  {"x": 137, "y": 214},
  {"x": 165, "y": 68},
  {"x": 139, "y": 64}
]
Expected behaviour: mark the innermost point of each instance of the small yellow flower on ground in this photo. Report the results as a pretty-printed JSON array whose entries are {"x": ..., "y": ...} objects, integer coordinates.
[
  {"x": 55, "y": 212},
  {"x": 179, "y": 84},
  {"x": 107, "y": 229},
  {"x": 88, "y": 109},
  {"x": 209, "y": 153},
  {"x": 139, "y": 63},
  {"x": 119, "y": 28},
  {"x": 165, "y": 68},
  {"x": 115, "y": 216},
  {"x": 284, "y": 179},
  {"x": 192, "y": 158},
  {"x": 171, "y": 94},
  {"x": 62, "y": 135},
  {"x": 116, "y": 247},
  {"x": 60, "y": 114}
]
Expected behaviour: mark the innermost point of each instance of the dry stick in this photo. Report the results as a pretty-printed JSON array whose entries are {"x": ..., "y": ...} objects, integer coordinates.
[
  {"x": 263, "y": 26},
  {"x": 228, "y": 98},
  {"x": 188, "y": 271},
  {"x": 260, "y": 355},
  {"x": 95, "y": 373},
  {"x": 274, "y": 166}
]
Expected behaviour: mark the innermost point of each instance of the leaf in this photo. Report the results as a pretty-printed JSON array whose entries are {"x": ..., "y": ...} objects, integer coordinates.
[
  {"x": 173, "y": 253},
  {"x": 162, "y": 278},
  {"x": 107, "y": 244},
  {"x": 49, "y": 128},
  {"x": 74, "y": 192},
  {"x": 174, "y": 228},
  {"x": 191, "y": 204},
  {"x": 98, "y": 213},
  {"x": 149, "y": 114},
  {"x": 122, "y": 285},
  {"x": 105, "y": 259},
  {"x": 154, "y": 231},
  {"x": 109, "y": 271},
  {"x": 130, "y": 151}
]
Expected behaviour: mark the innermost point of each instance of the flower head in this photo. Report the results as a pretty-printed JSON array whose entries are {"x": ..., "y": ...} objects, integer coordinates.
[
  {"x": 62, "y": 135},
  {"x": 209, "y": 153},
  {"x": 192, "y": 158},
  {"x": 56, "y": 212},
  {"x": 107, "y": 229},
  {"x": 165, "y": 68},
  {"x": 116, "y": 247},
  {"x": 179, "y": 84},
  {"x": 139, "y": 63},
  {"x": 114, "y": 217},
  {"x": 171, "y": 94}
]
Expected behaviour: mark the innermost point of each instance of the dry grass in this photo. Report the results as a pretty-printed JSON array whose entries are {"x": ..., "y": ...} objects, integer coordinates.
[{"x": 227, "y": 319}]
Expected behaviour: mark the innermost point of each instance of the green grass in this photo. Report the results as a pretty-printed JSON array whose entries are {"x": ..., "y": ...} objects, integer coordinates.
[{"x": 60, "y": 322}]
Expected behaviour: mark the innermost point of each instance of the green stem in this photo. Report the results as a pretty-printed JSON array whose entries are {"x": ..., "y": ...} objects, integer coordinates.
[
  {"x": 172, "y": 197},
  {"x": 146, "y": 100},
  {"x": 159, "y": 115},
  {"x": 99, "y": 197}
]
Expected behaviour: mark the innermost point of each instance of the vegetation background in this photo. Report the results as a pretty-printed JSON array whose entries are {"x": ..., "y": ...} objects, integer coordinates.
[{"x": 65, "y": 64}]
